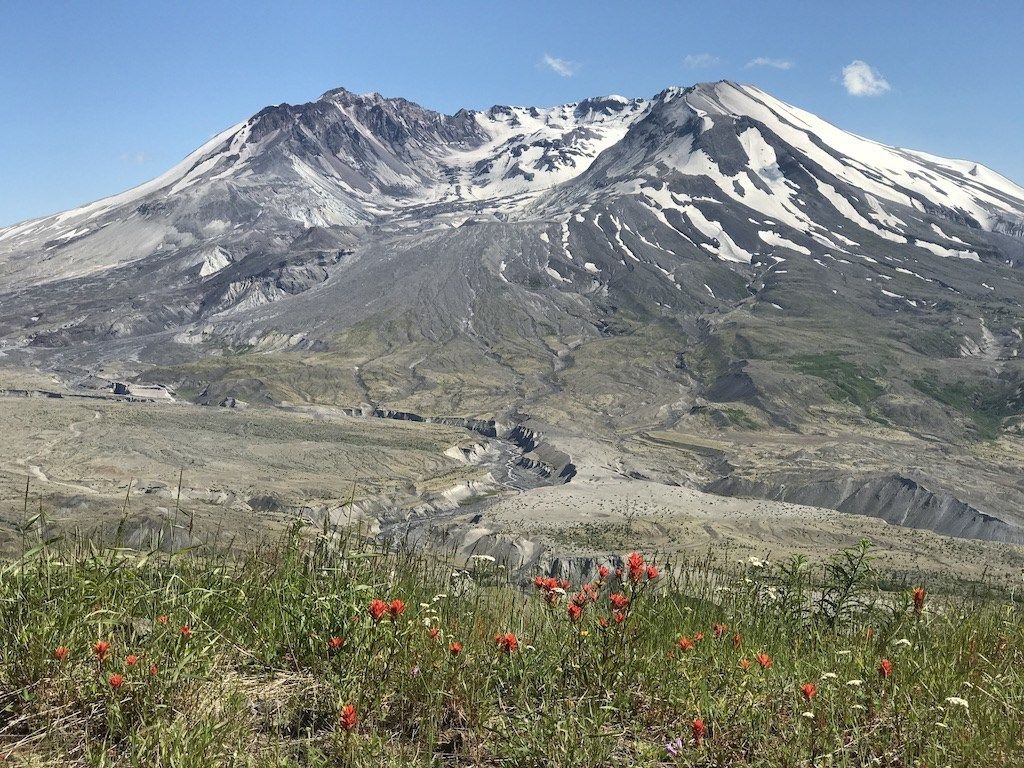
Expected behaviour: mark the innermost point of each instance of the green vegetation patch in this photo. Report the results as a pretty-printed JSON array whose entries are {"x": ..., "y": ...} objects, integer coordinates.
[
  {"x": 935, "y": 343},
  {"x": 740, "y": 418},
  {"x": 986, "y": 404},
  {"x": 849, "y": 382},
  {"x": 320, "y": 652}
]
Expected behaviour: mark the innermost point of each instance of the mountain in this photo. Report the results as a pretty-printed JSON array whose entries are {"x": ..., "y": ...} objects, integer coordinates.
[{"x": 841, "y": 321}]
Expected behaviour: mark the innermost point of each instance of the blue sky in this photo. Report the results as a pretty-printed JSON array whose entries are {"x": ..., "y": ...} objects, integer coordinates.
[{"x": 100, "y": 96}]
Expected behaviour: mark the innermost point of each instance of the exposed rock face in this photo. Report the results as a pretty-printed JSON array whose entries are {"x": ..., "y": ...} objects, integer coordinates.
[{"x": 897, "y": 500}]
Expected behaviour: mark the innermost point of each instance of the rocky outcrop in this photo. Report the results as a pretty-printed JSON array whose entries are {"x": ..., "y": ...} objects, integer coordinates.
[
  {"x": 475, "y": 546},
  {"x": 537, "y": 456},
  {"x": 894, "y": 498}
]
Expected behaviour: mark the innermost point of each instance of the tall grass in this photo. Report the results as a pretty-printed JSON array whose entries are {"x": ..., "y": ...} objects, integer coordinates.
[{"x": 251, "y": 661}]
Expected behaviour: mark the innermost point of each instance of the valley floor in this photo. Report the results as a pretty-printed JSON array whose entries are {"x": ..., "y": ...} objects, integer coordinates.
[{"x": 103, "y": 466}]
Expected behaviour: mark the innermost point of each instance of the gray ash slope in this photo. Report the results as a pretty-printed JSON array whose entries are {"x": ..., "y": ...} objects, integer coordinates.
[{"x": 708, "y": 259}]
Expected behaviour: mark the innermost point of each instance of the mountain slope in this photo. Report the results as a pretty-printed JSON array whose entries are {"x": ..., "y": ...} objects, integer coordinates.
[{"x": 708, "y": 261}]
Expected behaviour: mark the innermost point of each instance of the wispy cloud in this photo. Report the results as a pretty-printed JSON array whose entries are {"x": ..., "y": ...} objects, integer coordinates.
[
  {"x": 135, "y": 158},
  {"x": 764, "y": 61},
  {"x": 860, "y": 79},
  {"x": 560, "y": 66},
  {"x": 700, "y": 60}
]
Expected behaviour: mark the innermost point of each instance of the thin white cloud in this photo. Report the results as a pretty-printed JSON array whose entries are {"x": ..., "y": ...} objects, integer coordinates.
[
  {"x": 700, "y": 60},
  {"x": 860, "y": 79},
  {"x": 135, "y": 158},
  {"x": 560, "y": 66},
  {"x": 764, "y": 61}
]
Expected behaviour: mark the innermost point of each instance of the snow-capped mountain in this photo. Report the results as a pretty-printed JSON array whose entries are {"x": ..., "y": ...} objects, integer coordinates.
[
  {"x": 707, "y": 259},
  {"x": 347, "y": 160},
  {"x": 679, "y": 202},
  {"x": 342, "y": 160}
]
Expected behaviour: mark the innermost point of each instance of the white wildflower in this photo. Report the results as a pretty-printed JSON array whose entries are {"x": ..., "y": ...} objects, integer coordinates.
[
  {"x": 483, "y": 558},
  {"x": 958, "y": 702},
  {"x": 940, "y": 724},
  {"x": 808, "y": 714},
  {"x": 829, "y": 676},
  {"x": 855, "y": 682},
  {"x": 904, "y": 642}
]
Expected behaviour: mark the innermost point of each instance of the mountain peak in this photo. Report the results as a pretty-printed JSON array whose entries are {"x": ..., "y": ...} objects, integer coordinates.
[
  {"x": 711, "y": 256},
  {"x": 348, "y": 158}
]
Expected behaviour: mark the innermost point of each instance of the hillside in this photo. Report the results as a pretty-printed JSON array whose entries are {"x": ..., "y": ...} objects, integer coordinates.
[{"x": 627, "y": 278}]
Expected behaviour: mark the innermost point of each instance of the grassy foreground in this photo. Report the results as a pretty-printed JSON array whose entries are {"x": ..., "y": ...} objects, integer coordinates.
[{"x": 320, "y": 653}]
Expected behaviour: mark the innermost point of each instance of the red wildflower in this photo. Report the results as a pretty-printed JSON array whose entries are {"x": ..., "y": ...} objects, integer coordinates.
[
  {"x": 186, "y": 631},
  {"x": 698, "y": 730},
  {"x": 131, "y": 660},
  {"x": 434, "y": 632},
  {"x": 153, "y": 669},
  {"x": 685, "y": 644},
  {"x": 764, "y": 660},
  {"x": 396, "y": 608},
  {"x": 455, "y": 647},
  {"x": 575, "y": 611},
  {"x": 580, "y": 598},
  {"x": 744, "y": 664},
  {"x": 349, "y": 717},
  {"x": 619, "y": 616},
  {"x": 737, "y": 640},
  {"x": 116, "y": 681},
  {"x": 885, "y": 668},
  {"x": 61, "y": 652},
  {"x": 565, "y": 584},
  {"x": 336, "y": 642},
  {"x": 603, "y": 572},
  {"x": 719, "y": 630},
  {"x": 102, "y": 649},
  {"x": 652, "y": 573},
  {"x": 603, "y": 622},
  {"x": 698, "y": 637},
  {"x": 161, "y": 619},
  {"x": 918, "y": 595},
  {"x": 378, "y": 609},
  {"x": 538, "y": 582},
  {"x": 507, "y": 642},
  {"x": 550, "y": 583},
  {"x": 809, "y": 690},
  {"x": 618, "y": 600},
  {"x": 636, "y": 566}
]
